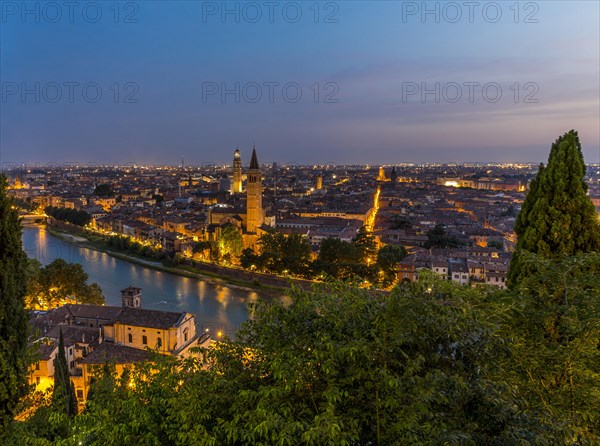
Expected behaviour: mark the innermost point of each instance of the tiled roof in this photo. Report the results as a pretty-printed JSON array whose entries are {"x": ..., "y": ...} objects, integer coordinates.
[
  {"x": 45, "y": 349},
  {"x": 73, "y": 334},
  {"x": 93, "y": 311},
  {"x": 148, "y": 318},
  {"x": 119, "y": 354}
]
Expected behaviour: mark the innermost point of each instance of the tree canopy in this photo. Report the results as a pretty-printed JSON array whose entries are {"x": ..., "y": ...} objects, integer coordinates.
[
  {"x": 432, "y": 362},
  {"x": 439, "y": 238},
  {"x": 558, "y": 218},
  {"x": 104, "y": 190},
  {"x": 51, "y": 285},
  {"x": 13, "y": 318},
  {"x": 79, "y": 218}
]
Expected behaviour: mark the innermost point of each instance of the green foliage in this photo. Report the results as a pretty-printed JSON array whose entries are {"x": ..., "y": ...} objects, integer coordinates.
[
  {"x": 280, "y": 254},
  {"x": 365, "y": 245},
  {"x": 104, "y": 190},
  {"x": 13, "y": 318},
  {"x": 46, "y": 426},
  {"x": 249, "y": 259},
  {"x": 59, "y": 280},
  {"x": 555, "y": 327},
  {"x": 26, "y": 204},
  {"x": 73, "y": 216},
  {"x": 63, "y": 395},
  {"x": 123, "y": 243},
  {"x": 497, "y": 244},
  {"x": 438, "y": 238},
  {"x": 558, "y": 218},
  {"x": 388, "y": 259},
  {"x": 230, "y": 243},
  {"x": 338, "y": 259},
  {"x": 432, "y": 362}
]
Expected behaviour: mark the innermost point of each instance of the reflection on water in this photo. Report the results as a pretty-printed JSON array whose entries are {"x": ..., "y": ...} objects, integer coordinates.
[{"x": 217, "y": 307}]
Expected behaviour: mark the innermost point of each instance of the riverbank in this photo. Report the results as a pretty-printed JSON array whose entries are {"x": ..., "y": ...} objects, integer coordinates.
[{"x": 216, "y": 274}]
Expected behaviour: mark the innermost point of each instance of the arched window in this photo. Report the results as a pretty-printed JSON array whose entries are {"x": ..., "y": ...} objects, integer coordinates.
[
  {"x": 145, "y": 340},
  {"x": 130, "y": 336},
  {"x": 185, "y": 334}
]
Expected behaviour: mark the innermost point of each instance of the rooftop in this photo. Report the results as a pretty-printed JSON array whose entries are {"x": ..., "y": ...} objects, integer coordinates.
[{"x": 119, "y": 354}]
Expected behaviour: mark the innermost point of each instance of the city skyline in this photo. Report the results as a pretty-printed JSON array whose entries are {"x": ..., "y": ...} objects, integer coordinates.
[{"x": 151, "y": 82}]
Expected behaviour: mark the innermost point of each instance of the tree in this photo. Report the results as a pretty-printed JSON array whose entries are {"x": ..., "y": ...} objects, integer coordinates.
[
  {"x": 249, "y": 259},
  {"x": 554, "y": 323},
  {"x": 230, "y": 242},
  {"x": 439, "y": 238},
  {"x": 497, "y": 244},
  {"x": 366, "y": 247},
  {"x": 558, "y": 218},
  {"x": 280, "y": 254},
  {"x": 388, "y": 259},
  {"x": 63, "y": 394},
  {"x": 79, "y": 218},
  {"x": 104, "y": 190},
  {"x": 432, "y": 362},
  {"x": 58, "y": 281},
  {"x": 400, "y": 222},
  {"x": 295, "y": 254},
  {"x": 13, "y": 317},
  {"x": 337, "y": 258}
]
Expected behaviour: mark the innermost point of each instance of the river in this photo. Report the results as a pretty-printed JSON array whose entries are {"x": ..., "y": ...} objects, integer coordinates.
[{"x": 217, "y": 307}]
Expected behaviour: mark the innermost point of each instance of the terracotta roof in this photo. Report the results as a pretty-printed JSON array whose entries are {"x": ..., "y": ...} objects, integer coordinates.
[{"x": 119, "y": 354}]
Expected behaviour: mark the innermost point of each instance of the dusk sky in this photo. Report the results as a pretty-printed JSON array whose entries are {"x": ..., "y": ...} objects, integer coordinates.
[{"x": 360, "y": 70}]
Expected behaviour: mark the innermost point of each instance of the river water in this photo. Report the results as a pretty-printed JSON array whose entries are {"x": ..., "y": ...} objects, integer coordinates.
[{"x": 217, "y": 307}]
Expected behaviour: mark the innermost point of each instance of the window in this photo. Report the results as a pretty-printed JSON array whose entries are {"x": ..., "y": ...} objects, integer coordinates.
[
  {"x": 185, "y": 335},
  {"x": 130, "y": 336},
  {"x": 37, "y": 365},
  {"x": 37, "y": 379},
  {"x": 145, "y": 340},
  {"x": 72, "y": 364},
  {"x": 158, "y": 342},
  {"x": 79, "y": 394}
]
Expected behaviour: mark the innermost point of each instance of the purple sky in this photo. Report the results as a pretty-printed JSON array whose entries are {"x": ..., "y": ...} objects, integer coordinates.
[{"x": 363, "y": 71}]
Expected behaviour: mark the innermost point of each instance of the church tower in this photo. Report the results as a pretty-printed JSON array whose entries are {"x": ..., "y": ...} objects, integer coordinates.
[
  {"x": 254, "y": 210},
  {"x": 131, "y": 297},
  {"x": 394, "y": 176},
  {"x": 381, "y": 176},
  {"x": 237, "y": 172}
]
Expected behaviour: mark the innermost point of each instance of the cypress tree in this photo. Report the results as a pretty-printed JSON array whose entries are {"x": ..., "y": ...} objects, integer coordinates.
[
  {"x": 13, "y": 317},
  {"x": 558, "y": 219},
  {"x": 63, "y": 396}
]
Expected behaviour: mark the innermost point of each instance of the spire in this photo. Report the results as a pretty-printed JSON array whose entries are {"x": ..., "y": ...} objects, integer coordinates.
[{"x": 254, "y": 160}]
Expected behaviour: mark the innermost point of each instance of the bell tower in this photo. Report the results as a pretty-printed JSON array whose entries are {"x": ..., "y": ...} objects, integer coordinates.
[
  {"x": 131, "y": 297},
  {"x": 237, "y": 172},
  {"x": 320, "y": 182},
  {"x": 254, "y": 210}
]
